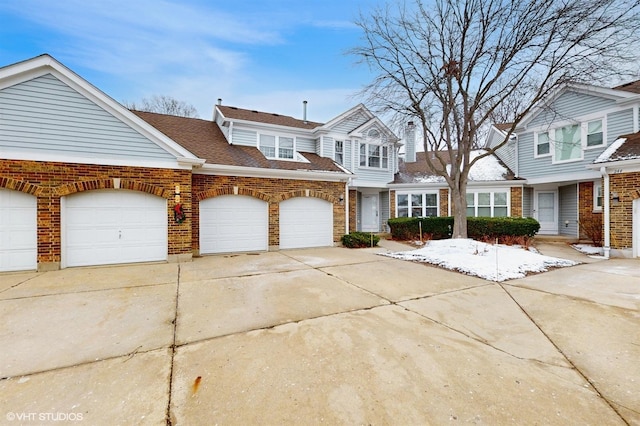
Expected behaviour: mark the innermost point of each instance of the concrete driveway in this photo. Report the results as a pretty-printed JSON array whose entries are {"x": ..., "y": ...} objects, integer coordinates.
[{"x": 319, "y": 336}]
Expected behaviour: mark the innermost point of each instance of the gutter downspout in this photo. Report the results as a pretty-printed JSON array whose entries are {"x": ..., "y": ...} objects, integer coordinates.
[
  {"x": 607, "y": 213},
  {"x": 346, "y": 207}
]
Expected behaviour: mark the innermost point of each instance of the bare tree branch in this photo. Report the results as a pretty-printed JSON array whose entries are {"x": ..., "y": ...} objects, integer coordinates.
[
  {"x": 162, "y": 104},
  {"x": 456, "y": 66}
]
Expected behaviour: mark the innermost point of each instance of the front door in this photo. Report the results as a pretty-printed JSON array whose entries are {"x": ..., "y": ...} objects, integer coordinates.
[
  {"x": 370, "y": 222},
  {"x": 546, "y": 211}
]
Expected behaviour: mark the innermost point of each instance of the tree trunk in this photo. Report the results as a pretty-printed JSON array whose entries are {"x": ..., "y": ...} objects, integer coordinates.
[{"x": 459, "y": 210}]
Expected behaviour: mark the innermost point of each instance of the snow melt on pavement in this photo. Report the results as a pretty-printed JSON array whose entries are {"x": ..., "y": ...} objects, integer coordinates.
[{"x": 491, "y": 262}]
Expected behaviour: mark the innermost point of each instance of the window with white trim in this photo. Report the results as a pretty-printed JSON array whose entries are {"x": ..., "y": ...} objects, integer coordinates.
[
  {"x": 595, "y": 135},
  {"x": 375, "y": 156},
  {"x": 568, "y": 143},
  {"x": 276, "y": 147},
  {"x": 487, "y": 204},
  {"x": 339, "y": 152},
  {"x": 542, "y": 144},
  {"x": 416, "y": 204},
  {"x": 598, "y": 197}
]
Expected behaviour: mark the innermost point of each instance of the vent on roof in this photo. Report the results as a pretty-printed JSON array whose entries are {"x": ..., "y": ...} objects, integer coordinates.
[
  {"x": 234, "y": 108},
  {"x": 254, "y": 111},
  {"x": 275, "y": 115}
]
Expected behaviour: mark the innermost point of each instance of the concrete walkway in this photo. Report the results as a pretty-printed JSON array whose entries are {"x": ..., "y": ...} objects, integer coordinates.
[{"x": 320, "y": 336}]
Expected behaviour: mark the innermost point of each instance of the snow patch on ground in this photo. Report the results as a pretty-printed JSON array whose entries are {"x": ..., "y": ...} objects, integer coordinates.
[
  {"x": 591, "y": 251},
  {"x": 491, "y": 262}
]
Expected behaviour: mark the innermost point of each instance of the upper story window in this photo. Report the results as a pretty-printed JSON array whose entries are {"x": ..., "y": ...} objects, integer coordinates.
[
  {"x": 276, "y": 146},
  {"x": 567, "y": 143},
  {"x": 542, "y": 144},
  {"x": 417, "y": 205},
  {"x": 339, "y": 152},
  {"x": 595, "y": 136},
  {"x": 487, "y": 204},
  {"x": 376, "y": 156}
]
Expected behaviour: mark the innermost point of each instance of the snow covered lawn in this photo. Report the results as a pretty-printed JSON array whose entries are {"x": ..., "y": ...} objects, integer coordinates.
[{"x": 492, "y": 262}]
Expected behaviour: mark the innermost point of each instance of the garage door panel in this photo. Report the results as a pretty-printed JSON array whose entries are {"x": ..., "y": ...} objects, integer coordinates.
[
  {"x": 306, "y": 222},
  {"x": 233, "y": 223},
  {"x": 114, "y": 226},
  {"x": 18, "y": 231}
]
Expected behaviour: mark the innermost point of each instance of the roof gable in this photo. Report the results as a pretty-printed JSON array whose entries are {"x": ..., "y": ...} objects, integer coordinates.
[{"x": 53, "y": 112}]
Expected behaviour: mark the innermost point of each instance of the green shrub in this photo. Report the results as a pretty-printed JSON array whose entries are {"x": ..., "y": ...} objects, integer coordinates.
[
  {"x": 479, "y": 228},
  {"x": 408, "y": 228},
  {"x": 496, "y": 227},
  {"x": 360, "y": 239}
]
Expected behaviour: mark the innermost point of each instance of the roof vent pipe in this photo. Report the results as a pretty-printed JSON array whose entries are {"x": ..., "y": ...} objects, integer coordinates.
[
  {"x": 219, "y": 101},
  {"x": 304, "y": 111}
]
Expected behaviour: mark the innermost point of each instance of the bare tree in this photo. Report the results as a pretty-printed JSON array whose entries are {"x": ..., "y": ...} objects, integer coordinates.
[
  {"x": 164, "y": 105},
  {"x": 453, "y": 66}
]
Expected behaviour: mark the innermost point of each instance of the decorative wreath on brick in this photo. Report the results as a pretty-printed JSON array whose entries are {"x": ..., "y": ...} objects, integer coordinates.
[{"x": 178, "y": 213}]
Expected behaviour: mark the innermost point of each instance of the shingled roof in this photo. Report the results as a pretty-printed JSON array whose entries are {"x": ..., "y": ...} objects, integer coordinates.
[
  {"x": 265, "y": 117},
  {"x": 633, "y": 87},
  {"x": 626, "y": 147},
  {"x": 487, "y": 169},
  {"x": 204, "y": 139}
]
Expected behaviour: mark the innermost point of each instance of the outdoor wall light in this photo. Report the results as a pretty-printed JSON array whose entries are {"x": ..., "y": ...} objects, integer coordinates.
[
  {"x": 615, "y": 197},
  {"x": 566, "y": 223}
]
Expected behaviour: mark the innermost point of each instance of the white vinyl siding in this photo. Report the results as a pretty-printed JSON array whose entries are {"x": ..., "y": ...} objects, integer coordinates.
[
  {"x": 245, "y": 137},
  {"x": 46, "y": 115},
  {"x": 571, "y": 105},
  {"x": 568, "y": 213}
]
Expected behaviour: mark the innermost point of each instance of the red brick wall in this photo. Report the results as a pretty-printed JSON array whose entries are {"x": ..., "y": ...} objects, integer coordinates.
[
  {"x": 627, "y": 187},
  {"x": 586, "y": 204},
  {"x": 49, "y": 181},
  {"x": 353, "y": 210},
  {"x": 272, "y": 191}
]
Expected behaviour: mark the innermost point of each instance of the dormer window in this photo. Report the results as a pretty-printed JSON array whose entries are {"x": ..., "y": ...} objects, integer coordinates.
[{"x": 277, "y": 147}]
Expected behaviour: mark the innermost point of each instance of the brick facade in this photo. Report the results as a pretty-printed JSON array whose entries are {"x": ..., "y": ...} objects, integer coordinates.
[
  {"x": 272, "y": 191},
  {"x": 516, "y": 201},
  {"x": 586, "y": 208},
  {"x": 353, "y": 210},
  {"x": 49, "y": 181},
  {"x": 627, "y": 188}
]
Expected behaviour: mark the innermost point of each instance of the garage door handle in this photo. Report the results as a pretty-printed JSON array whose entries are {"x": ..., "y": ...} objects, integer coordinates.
[{"x": 119, "y": 235}]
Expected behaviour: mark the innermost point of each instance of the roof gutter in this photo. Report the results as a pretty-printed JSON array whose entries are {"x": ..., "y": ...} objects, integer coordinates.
[{"x": 300, "y": 174}]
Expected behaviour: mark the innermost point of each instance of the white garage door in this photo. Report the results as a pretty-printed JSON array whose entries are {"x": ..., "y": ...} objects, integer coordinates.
[
  {"x": 18, "y": 231},
  {"x": 113, "y": 226},
  {"x": 306, "y": 222},
  {"x": 233, "y": 223}
]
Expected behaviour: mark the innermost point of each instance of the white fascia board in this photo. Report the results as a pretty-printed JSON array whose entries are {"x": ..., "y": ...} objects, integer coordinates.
[
  {"x": 635, "y": 99},
  {"x": 101, "y": 161},
  {"x": 586, "y": 175},
  {"x": 620, "y": 166},
  {"x": 368, "y": 184},
  {"x": 45, "y": 64},
  {"x": 225, "y": 170},
  {"x": 417, "y": 185}
]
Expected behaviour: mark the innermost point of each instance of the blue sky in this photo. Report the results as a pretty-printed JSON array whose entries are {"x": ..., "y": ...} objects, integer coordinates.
[{"x": 268, "y": 55}]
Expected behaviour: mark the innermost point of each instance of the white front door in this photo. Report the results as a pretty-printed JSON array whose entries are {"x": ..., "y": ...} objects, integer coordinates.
[
  {"x": 370, "y": 222},
  {"x": 545, "y": 207}
]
